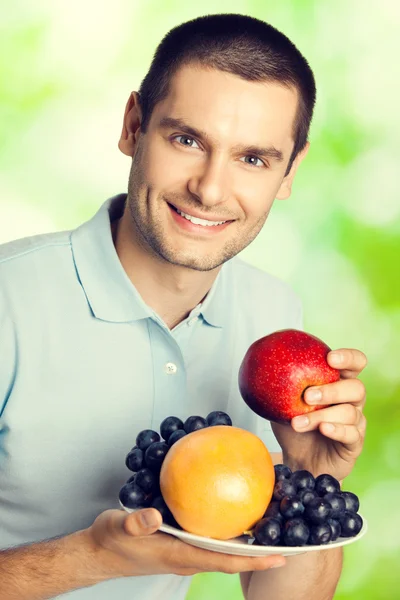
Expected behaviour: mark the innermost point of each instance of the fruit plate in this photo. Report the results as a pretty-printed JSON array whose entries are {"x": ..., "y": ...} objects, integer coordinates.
[{"x": 243, "y": 546}]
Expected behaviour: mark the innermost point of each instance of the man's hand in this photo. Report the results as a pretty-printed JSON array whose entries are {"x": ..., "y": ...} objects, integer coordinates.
[
  {"x": 329, "y": 440},
  {"x": 123, "y": 546}
]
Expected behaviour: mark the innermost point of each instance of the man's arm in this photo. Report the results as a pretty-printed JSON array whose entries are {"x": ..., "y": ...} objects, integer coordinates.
[
  {"x": 116, "y": 545},
  {"x": 312, "y": 575},
  {"x": 46, "y": 569}
]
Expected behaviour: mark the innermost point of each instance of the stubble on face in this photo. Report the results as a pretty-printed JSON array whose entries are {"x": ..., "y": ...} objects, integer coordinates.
[{"x": 147, "y": 214}]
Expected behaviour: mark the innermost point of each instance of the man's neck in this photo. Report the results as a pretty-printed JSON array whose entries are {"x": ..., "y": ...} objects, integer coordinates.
[{"x": 171, "y": 291}]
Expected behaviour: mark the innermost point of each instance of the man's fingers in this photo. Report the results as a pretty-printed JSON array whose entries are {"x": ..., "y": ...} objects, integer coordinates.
[
  {"x": 229, "y": 564},
  {"x": 198, "y": 560},
  {"x": 349, "y": 361},
  {"x": 343, "y": 423},
  {"x": 348, "y": 435},
  {"x": 346, "y": 414},
  {"x": 343, "y": 391},
  {"x": 143, "y": 522}
]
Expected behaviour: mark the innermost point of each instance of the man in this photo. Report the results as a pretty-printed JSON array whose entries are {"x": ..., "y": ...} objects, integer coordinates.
[{"x": 144, "y": 312}]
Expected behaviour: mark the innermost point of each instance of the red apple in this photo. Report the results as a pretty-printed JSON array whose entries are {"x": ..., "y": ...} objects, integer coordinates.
[{"x": 278, "y": 368}]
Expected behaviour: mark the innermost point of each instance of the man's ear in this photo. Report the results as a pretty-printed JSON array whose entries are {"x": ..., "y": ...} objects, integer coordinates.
[
  {"x": 286, "y": 186},
  {"x": 131, "y": 125}
]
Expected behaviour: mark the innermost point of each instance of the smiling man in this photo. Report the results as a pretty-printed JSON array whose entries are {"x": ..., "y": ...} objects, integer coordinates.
[
  {"x": 203, "y": 179},
  {"x": 146, "y": 311}
]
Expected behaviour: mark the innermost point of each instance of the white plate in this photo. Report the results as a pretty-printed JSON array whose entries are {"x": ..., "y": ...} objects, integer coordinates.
[{"x": 243, "y": 547}]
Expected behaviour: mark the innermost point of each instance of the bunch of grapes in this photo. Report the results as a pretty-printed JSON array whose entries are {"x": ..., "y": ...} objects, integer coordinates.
[
  {"x": 307, "y": 510},
  {"x": 145, "y": 460}
]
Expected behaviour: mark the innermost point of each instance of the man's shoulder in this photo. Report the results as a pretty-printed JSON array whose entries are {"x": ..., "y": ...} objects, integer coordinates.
[
  {"x": 29, "y": 247},
  {"x": 258, "y": 284},
  {"x": 264, "y": 303}
]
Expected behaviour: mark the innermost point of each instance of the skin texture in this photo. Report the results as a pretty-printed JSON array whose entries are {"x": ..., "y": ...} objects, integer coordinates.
[{"x": 207, "y": 176}]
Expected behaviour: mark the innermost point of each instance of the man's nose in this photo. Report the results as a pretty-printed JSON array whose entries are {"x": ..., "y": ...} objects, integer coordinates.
[{"x": 209, "y": 184}]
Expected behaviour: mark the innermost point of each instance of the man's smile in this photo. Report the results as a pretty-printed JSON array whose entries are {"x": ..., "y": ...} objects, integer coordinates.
[{"x": 191, "y": 221}]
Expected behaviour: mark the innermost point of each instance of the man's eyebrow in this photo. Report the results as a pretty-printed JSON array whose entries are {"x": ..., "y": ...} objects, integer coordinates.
[{"x": 266, "y": 152}]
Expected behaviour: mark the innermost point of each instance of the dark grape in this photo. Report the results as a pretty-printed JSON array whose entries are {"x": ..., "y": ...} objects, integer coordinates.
[
  {"x": 320, "y": 534},
  {"x": 282, "y": 472},
  {"x": 194, "y": 423},
  {"x": 134, "y": 459},
  {"x": 174, "y": 437},
  {"x": 131, "y": 478},
  {"x": 132, "y": 496},
  {"x": 351, "y": 500},
  {"x": 217, "y": 417},
  {"x": 324, "y": 484},
  {"x": 351, "y": 523},
  {"x": 146, "y": 437},
  {"x": 296, "y": 532},
  {"x": 273, "y": 511},
  {"x": 291, "y": 507},
  {"x": 147, "y": 480},
  {"x": 317, "y": 511},
  {"x": 267, "y": 532},
  {"x": 155, "y": 455},
  {"x": 304, "y": 480},
  {"x": 335, "y": 527},
  {"x": 282, "y": 488},
  {"x": 160, "y": 504},
  {"x": 337, "y": 503},
  {"x": 167, "y": 516},
  {"x": 306, "y": 495},
  {"x": 169, "y": 425}
]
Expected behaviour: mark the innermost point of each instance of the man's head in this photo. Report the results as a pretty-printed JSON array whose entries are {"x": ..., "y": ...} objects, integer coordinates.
[
  {"x": 237, "y": 44},
  {"x": 217, "y": 131}
]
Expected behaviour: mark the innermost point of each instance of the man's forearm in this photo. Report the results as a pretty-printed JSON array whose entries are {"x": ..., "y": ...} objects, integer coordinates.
[
  {"x": 312, "y": 575},
  {"x": 46, "y": 569}
]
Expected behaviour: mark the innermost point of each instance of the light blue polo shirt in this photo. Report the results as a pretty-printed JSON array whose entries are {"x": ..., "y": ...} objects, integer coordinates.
[{"x": 85, "y": 365}]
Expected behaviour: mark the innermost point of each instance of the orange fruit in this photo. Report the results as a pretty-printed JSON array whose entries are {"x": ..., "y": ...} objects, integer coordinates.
[{"x": 218, "y": 481}]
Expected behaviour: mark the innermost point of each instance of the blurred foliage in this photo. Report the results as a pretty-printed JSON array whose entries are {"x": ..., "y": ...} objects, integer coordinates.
[{"x": 66, "y": 71}]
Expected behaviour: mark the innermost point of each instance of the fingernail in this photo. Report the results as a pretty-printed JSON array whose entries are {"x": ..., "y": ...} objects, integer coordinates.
[
  {"x": 301, "y": 422},
  {"x": 336, "y": 358},
  {"x": 277, "y": 565},
  {"x": 148, "y": 518},
  {"x": 313, "y": 396},
  {"x": 329, "y": 427}
]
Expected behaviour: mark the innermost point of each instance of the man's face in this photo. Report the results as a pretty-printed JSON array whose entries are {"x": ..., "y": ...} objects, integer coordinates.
[{"x": 216, "y": 149}]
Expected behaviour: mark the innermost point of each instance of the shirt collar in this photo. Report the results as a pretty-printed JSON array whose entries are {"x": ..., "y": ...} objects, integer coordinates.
[{"x": 109, "y": 292}]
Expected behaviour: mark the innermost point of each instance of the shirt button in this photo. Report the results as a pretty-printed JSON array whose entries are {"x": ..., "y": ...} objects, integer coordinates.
[
  {"x": 170, "y": 368},
  {"x": 192, "y": 321}
]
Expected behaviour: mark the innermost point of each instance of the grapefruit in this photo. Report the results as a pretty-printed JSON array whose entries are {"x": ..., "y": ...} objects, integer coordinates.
[{"x": 217, "y": 481}]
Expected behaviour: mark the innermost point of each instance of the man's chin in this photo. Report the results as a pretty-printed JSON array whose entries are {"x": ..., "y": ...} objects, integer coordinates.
[{"x": 195, "y": 263}]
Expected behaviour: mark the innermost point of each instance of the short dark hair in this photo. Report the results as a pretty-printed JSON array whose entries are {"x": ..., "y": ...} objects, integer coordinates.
[{"x": 237, "y": 44}]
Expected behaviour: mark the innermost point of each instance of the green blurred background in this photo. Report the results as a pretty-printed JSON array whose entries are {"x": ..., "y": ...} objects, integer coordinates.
[{"x": 66, "y": 71}]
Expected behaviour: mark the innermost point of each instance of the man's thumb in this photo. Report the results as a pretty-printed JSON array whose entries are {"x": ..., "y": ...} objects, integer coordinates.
[{"x": 143, "y": 522}]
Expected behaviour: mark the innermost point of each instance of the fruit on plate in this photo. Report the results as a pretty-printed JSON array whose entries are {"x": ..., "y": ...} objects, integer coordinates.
[
  {"x": 278, "y": 368},
  {"x": 296, "y": 520},
  {"x": 217, "y": 481},
  {"x": 142, "y": 488},
  {"x": 303, "y": 509}
]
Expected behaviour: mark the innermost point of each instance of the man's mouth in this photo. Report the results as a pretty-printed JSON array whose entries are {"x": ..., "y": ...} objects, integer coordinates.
[{"x": 197, "y": 220}]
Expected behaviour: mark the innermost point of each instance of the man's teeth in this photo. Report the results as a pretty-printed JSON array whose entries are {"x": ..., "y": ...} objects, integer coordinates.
[{"x": 197, "y": 221}]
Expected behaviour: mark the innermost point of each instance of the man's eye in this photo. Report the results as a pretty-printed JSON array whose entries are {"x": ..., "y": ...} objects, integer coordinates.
[
  {"x": 185, "y": 140},
  {"x": 253, "y": 161}
]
